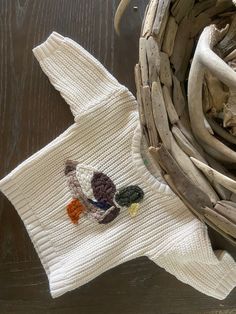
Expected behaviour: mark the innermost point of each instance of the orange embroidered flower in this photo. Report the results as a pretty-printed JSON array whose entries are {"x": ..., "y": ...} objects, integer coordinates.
[{"x": 74, "y": 210}]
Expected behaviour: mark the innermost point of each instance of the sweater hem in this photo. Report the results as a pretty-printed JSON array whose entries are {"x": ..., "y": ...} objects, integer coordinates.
[
  {"x": 39, "y": 236},
  {"x": 227, "y": 284}
]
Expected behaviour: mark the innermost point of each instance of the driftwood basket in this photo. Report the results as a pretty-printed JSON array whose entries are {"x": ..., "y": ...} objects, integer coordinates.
[{"x": 186, "y": 92}]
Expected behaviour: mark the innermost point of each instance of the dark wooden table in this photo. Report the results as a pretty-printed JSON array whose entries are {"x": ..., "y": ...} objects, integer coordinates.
[{"x": 32, "y": 113}]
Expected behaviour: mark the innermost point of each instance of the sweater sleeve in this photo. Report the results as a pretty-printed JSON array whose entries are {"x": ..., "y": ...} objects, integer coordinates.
[
  {"x": 195, "y": 263},
  {"x": 75, "y": 73}
]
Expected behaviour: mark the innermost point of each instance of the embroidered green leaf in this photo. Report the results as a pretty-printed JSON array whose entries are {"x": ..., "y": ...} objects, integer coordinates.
[{"x": 128, "y": 195}]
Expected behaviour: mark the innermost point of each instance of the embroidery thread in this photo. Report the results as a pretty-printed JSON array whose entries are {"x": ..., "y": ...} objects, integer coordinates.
[
  {"x": 133, "y": 209},
  {"x": 103, "y": 205},
  {"x": 103, "y": 188},
  {"x": 128, "y": 195},
  {"x": 74, "y": 210}
]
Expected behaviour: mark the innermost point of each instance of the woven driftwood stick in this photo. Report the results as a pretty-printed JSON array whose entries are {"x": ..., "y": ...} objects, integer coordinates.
[
  {"x": 202, "y": 6},
  {"x": 178, "y": 97},
  {"x": 185, "y": 145},
  {"x": 147, "y": 105},
  {"x": 228, "y": 43},
  {"x": 181, "y": 8},
  {"x": 160, "y": 115},
  {"x": 169, "y": 37},
  {"x": 149, "y": 18},
  {"x": 189, "y": 191},
  {"x": 172, "y": 114},
  {"x": 215, "y": 176},
  {"x": 182, "y": 47},
  {"x": 142, "y": 118},
  {"x": 170, "y": 182},
  {"x": 231, "y": 56},
  {"x": 191, "y": 171},
  {"x": 161, "y": 18},
  {"x": 165, "y": 71},
  {"x": 226, "y": 210},
  {"x": 138, "y": 82},
  {"x": 220, "y": 221},
  {"x": 200, "y": 22},
  {"x": 143, "y": 61},
  {"x": 221, "y": 132},
  {"x": 153, "y": 58},
  {"x": 220, "y": 7},
  {"x": 223, "y": 193}
]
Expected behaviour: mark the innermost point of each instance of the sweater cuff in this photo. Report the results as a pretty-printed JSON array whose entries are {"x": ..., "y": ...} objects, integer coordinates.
[
  {"x": 39, "y": 236},
  {"x": 227, "y": 283},
  {"x": 47, "y": 48}
]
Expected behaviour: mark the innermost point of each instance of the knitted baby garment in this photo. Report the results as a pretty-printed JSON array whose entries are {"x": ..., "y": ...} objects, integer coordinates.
[{"x": 87, "y": 199}]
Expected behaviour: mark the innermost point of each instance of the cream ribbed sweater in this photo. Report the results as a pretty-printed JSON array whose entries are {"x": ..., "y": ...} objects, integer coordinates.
[{"x": 105, "y": 137}]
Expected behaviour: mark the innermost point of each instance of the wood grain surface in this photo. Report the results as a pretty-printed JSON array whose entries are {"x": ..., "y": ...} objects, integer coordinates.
[{"x": 32, "y": 113}]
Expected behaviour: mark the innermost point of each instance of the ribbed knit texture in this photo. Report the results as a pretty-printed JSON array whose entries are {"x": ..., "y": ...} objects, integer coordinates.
[{"x": 106, "y": 136}]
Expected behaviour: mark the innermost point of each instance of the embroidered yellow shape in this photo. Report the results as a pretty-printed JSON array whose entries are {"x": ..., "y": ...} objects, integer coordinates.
[{"x": 133, "y": 209}]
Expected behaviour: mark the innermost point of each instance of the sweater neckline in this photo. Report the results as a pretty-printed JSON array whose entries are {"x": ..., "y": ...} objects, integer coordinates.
[{"x": 141, "y": 169}]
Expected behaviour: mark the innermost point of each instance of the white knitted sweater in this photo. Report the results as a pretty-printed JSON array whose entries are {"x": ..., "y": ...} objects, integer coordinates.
[{"x": 105, "y": 137}]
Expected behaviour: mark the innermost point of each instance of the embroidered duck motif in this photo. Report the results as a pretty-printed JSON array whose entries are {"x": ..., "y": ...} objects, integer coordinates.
[{"x": 94, "y": 194}]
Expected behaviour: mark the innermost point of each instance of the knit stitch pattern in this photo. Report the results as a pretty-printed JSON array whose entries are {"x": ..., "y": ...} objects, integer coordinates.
[
  {"x": 106, "y": 136},
  {"x": 84, "y": 175}
]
